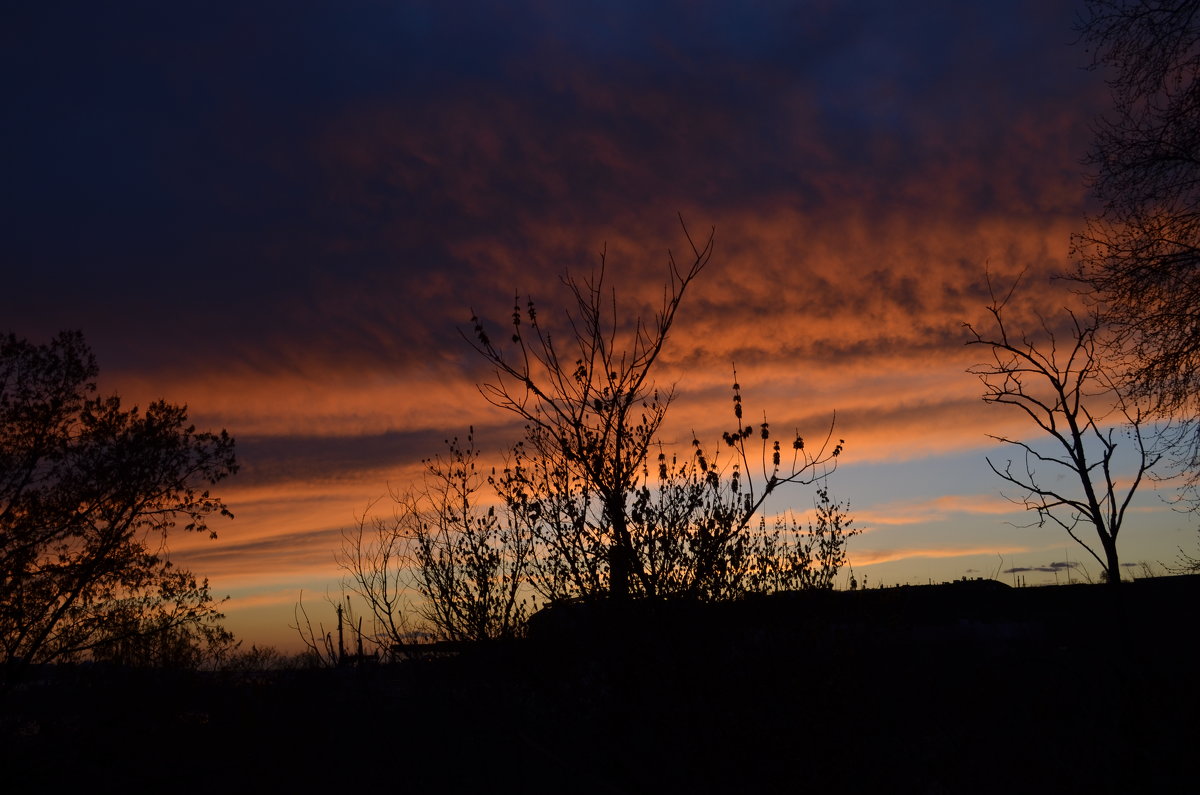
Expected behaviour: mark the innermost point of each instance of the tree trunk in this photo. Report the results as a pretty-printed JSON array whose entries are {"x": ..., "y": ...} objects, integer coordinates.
[
  {"x": 620, "y": 554},
  {"x": 618, "y": 571},
  {"x": 1114, "y": 564}
]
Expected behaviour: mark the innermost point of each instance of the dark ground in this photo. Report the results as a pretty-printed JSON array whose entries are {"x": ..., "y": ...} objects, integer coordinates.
[{"x": 960, "y": 688}]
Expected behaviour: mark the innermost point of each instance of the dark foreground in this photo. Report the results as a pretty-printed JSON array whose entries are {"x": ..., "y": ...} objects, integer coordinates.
[{"x": 961, "y": 688}]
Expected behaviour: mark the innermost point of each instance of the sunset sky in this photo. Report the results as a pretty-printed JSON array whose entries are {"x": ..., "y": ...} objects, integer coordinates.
[{"x": 282, "y": 213}]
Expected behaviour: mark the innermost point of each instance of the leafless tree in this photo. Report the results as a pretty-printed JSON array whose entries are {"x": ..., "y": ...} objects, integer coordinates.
[
  {"x": 1065, "y": 387},
  {"x": 576, "y": 509},
  {"x": 591, "y": 406},
  {"x": 376, "y": 558},
  {"x": 324, "y": 648},
  {"x": 444, "y": 556},
  {"x": 580, "y": 482}
]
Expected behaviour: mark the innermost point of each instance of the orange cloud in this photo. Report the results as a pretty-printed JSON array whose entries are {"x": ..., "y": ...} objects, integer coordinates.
[{"x": 870, "y": 557}]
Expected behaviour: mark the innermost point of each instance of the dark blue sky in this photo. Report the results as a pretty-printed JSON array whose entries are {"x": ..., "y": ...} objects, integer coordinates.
[{"x": 232, "y": 176}]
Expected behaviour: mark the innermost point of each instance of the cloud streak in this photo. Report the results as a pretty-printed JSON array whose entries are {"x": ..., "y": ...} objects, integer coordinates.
[
  {"x": 284, "y": 215},
  {"x": 937, "y": 509},
  {"x": 869, "y": 557}
]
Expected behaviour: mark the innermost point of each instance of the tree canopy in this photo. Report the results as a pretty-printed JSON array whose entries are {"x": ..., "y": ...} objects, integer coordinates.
[
  {"x": 589, "y": 503},
  {"x": 1140, "y": 254},
  {"x": 89, "y": 491}
]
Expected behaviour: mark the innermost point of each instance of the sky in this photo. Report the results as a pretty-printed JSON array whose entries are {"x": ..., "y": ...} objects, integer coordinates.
[{"x": 283, "y": 214}]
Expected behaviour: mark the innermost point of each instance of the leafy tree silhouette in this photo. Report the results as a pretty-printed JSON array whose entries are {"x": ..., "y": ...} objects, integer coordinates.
[
  {"x": 1140, "y": 255},
  {"x": 88, "y": 494},
  {"x": 580, "y": 482},
  {"x": 578, "y": 509},
  {"x": 582, "y": 507},
  {"x": 693, "y": 522}
]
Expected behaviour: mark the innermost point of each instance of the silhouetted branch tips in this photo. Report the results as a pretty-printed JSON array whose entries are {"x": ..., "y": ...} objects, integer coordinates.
[
  {"x": 577, "y": 510},
  {"x": 1058, "y": 391},
  {"x": 995, "y": 306}
]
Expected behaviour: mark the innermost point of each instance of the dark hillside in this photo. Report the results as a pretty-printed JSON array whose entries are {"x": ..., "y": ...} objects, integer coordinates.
[{"x": 963, "y": 687}]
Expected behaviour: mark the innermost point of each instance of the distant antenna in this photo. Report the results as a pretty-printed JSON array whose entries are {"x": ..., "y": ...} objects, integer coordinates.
[{"x": 341, "y": 645}]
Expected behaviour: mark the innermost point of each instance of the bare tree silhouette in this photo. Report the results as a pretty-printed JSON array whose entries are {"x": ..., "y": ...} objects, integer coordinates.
[{"x": 1072, "y": 397}]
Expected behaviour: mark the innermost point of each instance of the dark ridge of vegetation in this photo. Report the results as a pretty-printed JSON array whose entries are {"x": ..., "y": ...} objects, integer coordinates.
[{"x": 935, "y": 689}]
